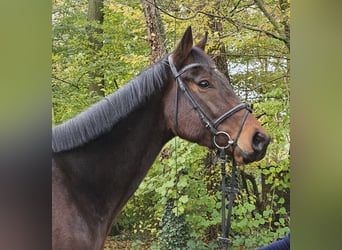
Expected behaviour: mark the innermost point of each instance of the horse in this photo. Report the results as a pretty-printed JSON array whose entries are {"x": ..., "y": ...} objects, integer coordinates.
[{"x": 100, "y": 156}]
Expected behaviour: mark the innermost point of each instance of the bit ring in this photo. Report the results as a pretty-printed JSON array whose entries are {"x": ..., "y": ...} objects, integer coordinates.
[{"x": 230, "y": 140}]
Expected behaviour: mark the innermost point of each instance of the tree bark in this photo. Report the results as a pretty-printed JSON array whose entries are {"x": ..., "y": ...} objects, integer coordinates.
[
  {"x": 95, "y": 14},
  {"x": 154, "y": 30}
]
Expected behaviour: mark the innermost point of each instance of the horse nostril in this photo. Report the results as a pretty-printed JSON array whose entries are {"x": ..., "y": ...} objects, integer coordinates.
[{"x": 260, "y": 141}]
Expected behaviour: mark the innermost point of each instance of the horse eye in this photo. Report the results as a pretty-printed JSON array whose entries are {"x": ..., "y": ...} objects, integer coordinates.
[{"x": 204, "y": 84}]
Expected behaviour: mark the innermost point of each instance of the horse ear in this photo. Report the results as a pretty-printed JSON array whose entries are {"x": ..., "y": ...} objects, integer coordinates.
[
  {"x": 201, "y": 44},
  {"x": 183, "y": 49}
]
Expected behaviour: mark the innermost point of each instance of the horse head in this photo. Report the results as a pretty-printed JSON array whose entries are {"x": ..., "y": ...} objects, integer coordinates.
[{"x": 201, "y": 106}]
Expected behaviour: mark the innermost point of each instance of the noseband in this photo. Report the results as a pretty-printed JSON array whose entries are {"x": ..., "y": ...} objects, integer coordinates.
[{"x": 207, "y": 122}]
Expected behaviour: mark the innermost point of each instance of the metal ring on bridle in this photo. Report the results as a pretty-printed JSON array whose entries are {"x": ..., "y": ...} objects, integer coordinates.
[{"x": 230, "y": 141}]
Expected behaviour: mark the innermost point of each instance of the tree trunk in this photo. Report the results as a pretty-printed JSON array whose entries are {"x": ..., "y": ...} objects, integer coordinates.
[
  {"x": 219, "y": 50},
  {"x": 154, "y": 30},
  {"x": 95, "y": 15}
]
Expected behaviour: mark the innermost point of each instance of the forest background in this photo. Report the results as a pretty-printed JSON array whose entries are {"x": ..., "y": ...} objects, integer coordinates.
[{"x": 98, "y": 46}]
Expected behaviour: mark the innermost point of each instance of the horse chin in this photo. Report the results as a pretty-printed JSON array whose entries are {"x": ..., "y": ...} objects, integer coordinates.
[{"x": 242, "y": 158}]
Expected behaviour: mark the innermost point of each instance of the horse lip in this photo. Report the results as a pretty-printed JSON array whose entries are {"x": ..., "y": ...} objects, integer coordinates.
[
  {"x": 249, "y": 157},
  {"x": 242, "y": 157}
]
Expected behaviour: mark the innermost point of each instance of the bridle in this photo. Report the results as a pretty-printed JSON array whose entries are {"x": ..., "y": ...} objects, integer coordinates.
[
  {"x": 212, "y": 127},
  {"x": 207, "y": 122}
]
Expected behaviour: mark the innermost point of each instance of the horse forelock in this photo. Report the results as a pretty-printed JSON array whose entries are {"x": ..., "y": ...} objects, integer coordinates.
[{"x": 100, "y": 118}]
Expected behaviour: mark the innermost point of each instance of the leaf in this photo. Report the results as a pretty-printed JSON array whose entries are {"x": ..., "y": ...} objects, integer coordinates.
[{"x": 184, "y": 199}]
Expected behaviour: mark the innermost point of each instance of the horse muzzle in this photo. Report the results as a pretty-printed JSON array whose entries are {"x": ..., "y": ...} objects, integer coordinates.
[{"x": 259, "y": 144}]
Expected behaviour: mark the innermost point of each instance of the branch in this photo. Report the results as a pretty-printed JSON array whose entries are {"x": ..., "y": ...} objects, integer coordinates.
[
  {"x": 235, "y": 7},
  {"x": 249, "y": 27},
  {"x": 265, "y": 83},
  {"x": 235, "y": 55},
  {"x": 67, "y": 82},
  {"x": 230, "y": 20},
  {"x": 286, "y": 32},
  {"x": 261, "y": 6},
  {"x": 239, "y": 25},
  {"x": 255, "y": 190},
  {"x": 173, "y": 16}
]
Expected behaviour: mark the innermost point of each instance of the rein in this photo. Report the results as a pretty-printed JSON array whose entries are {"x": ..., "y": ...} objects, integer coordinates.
[{"x": 222, "y": 150}]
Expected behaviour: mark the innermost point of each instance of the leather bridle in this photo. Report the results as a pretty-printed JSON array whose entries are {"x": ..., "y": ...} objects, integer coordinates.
[
  {"x": 212, "y": 127},
  {"x": 207, "y": 122}
]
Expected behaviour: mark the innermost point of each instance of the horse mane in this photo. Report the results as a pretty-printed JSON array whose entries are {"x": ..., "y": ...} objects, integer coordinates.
[{"x": 99, "y": 118}]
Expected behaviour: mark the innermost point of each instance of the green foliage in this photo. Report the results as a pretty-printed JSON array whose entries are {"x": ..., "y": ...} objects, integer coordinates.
[
  {"x": 174, "y": 231},
  {"x": 123, "y": 55},
  {"x": 253, "y": 229}
]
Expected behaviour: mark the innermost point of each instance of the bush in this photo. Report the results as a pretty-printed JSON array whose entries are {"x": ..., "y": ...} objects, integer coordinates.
[{"x": 174, "y": 230}]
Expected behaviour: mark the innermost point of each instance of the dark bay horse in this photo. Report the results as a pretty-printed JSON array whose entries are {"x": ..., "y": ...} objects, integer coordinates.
[{"x": 100, "y": 157}]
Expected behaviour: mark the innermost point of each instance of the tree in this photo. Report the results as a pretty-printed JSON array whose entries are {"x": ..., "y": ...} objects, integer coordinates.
[
  {"x": 154, "y": 30},
  {"x": 75, "y": 62},
  {"x": 95, "y": 31},
  {"x": 218, "y": 49},
  {"x": 281, "y": 26}
]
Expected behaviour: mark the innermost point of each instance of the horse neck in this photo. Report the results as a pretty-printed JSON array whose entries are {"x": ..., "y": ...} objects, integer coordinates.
[{"x": 107, "y": 171}]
